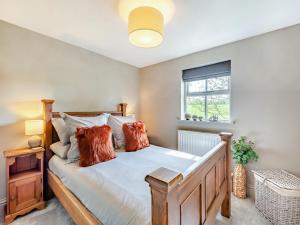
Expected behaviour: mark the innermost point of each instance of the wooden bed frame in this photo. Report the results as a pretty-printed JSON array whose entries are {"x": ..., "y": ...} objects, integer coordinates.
[{"x": 192, "y": 200}]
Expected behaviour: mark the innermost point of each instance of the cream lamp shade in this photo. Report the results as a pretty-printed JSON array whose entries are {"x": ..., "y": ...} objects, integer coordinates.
[
  {"x": 145, "y": 27},
  {"x": 34, "y": 128}
]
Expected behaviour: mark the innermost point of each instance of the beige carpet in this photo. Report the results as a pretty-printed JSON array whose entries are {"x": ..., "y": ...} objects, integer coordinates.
[{"x": 243, "y": 213}]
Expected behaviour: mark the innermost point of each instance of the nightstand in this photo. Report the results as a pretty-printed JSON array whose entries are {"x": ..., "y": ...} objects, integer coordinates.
[{"x": 24, "y": 181}]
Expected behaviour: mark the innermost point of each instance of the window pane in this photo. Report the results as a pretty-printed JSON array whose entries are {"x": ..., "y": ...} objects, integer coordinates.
[
  {"x": 196, "y": 105},
  {"x": 219, "y": 83},
  {"x": 196, "y": 86},
  {"x": 218, "y": 105}
]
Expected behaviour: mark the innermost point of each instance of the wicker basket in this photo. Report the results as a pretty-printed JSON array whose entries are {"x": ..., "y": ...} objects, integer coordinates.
[{"x": 277, "y": 196}]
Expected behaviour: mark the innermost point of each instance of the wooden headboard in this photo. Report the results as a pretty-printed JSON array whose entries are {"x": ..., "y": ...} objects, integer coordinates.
[{"x": 50, "y": 135}]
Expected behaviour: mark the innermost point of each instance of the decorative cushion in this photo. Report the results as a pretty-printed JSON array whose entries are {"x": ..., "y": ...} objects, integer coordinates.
[
  {"x": 116, "y": 123},
  {"x": 60, "y": 149},
  {"x": 135, "y": 135},
  {"x": 61, "y": 130},
  {"x": 95, "y": 145},
  {"x": 74, "y": 122}
]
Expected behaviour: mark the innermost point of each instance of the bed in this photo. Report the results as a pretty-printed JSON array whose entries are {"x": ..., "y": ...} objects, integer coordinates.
[{"x": 152, "y": 186}]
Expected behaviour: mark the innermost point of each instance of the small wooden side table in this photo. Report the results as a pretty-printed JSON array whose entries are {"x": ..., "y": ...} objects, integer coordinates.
[{"x": 24, "y": 181}]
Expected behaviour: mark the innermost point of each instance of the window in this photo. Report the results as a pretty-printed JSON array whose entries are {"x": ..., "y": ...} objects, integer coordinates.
[{"x": 207, "y": 91}]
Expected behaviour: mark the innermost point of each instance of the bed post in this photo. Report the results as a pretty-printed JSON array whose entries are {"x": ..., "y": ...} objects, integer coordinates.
[
  {"x": 161, "y": 182},
  {"x": 122, "y": 108},
  {"x": 47, "y": 115},
  {"x": 226, "y": 204}
]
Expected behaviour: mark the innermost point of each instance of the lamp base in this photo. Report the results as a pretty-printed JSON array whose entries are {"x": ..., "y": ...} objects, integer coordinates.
[{"x": 35, "y": 141}]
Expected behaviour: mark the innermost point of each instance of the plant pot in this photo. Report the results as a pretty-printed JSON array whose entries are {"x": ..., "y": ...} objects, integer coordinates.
[{"x": 239, "y": 184}]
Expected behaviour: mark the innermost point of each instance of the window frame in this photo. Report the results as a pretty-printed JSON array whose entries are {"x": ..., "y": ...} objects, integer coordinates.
[{"x": 205, "y": 94}]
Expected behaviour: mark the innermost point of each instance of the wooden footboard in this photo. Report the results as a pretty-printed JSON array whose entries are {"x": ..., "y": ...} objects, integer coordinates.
[{"x": 197, "y": 198}]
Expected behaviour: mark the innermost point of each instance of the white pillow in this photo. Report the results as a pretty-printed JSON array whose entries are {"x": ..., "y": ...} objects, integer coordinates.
[
  {"x": 73, "y": 122},
  {"x": 116, "y": 124},
  {"x": 60, "y": 127},
  {"x": 73, "y": 153},
  {"x": 60, "y": 149}
]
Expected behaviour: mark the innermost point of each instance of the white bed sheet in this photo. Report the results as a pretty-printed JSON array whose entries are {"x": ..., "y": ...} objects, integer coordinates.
[{"x": 115, "y": 191}]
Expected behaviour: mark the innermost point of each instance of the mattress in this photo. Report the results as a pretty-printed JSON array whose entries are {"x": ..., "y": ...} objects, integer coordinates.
[{"x": 115, "y": 191}]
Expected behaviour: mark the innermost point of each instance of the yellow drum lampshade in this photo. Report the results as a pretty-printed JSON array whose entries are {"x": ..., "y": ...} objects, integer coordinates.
[
  {"x": 145, "y": 27},
  {"x": 34, "y": 128}
]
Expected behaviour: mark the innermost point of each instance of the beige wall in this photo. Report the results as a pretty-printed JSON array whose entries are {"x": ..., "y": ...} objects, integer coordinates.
[
  {"x": 33, "y": 67},
  {"x": 265, "y": 96}
]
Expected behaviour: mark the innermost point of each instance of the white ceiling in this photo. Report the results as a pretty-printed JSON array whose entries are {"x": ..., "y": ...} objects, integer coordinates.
[{"x": 196, "y": 25}]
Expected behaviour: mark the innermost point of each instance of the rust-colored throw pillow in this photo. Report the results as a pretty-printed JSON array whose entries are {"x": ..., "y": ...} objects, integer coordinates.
[
  {"x": 95, "y": 145},
  {"x": 135, "y": 136}
]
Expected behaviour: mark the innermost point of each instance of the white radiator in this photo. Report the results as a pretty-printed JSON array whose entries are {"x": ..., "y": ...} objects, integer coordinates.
[{"x": 196, "y": 143}]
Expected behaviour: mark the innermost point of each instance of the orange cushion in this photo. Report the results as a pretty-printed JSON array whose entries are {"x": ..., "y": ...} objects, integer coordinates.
[
  {"x": 95, "y": 145},
  {"x": 135, "y": 136}
]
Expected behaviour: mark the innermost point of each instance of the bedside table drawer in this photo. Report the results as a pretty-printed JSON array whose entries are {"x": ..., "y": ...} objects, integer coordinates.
[{"x": 25, "y": 192}]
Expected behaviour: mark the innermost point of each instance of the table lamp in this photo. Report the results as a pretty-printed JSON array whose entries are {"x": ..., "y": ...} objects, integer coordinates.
[{"x": 34, "y": 128}]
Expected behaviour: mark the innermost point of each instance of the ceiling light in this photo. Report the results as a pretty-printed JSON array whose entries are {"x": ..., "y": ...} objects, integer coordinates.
[
  {"x": 145, "y": 27},
  {"x": 166, "y": 7},
  {"x": 146, "y": 19}
]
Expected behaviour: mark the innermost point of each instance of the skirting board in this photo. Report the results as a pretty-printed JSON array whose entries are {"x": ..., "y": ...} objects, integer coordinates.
[
  {"x": 2, "y": 202},
  {"x": 250, "y": 192}
]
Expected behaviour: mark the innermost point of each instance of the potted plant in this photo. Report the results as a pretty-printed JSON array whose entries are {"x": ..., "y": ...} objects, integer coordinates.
[{"x": 243, "y": 151}]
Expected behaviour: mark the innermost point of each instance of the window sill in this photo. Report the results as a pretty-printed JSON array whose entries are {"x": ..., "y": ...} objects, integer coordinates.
[{"x": 206, "y": 123}]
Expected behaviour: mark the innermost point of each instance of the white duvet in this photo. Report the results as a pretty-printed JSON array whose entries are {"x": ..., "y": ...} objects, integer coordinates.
[{"x": 116, "y": 191}]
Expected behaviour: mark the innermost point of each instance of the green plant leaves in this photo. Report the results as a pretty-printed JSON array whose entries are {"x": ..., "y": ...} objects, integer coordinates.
[{"x": 243, "y": 151}]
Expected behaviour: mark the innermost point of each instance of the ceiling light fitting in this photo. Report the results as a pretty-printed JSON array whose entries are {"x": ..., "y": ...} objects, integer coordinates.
[{"x": 145, "y": 27}]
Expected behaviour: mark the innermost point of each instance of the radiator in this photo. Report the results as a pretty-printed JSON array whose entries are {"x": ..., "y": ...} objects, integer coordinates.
[{"x": 196, "y": 143}]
